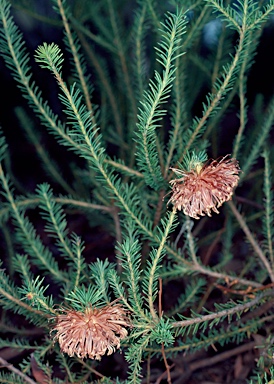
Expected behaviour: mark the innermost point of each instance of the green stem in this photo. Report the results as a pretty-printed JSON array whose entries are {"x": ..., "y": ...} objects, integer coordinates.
[{"x": 156, "y": 261}]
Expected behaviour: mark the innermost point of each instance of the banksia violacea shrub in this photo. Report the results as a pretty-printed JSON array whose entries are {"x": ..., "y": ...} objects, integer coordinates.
[{"x": 100, "y": 280}]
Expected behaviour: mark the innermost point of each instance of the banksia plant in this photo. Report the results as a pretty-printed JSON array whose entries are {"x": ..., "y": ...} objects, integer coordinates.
[{"x": 116, "y": 126}]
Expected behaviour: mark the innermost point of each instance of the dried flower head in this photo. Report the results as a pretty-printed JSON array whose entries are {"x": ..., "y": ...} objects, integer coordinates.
[
  {"x": 204, "y": 187},
  {"x": 93, "y": 332}
]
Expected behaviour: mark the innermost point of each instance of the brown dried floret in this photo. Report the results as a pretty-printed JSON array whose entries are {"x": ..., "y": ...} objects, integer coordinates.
[{"x": 206, "y": 187}]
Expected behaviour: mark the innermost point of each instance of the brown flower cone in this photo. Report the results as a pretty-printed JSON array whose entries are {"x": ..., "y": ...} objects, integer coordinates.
[{"x": 205, "y": 188}]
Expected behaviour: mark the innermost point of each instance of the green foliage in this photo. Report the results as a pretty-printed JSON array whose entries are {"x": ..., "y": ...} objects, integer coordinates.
[
  {"x": 263, "y": 378},
  {"x": 137, "y": 98},
  {"x": 150, "y": 113},
  {"x": 269, "y": 213}
]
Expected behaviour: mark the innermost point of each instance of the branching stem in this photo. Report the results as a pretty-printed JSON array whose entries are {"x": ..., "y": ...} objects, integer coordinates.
[
  {"x": 225, "y": 312},
  {"x": 252, "y": 240},
  {"x": 10, "y": 367}
]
